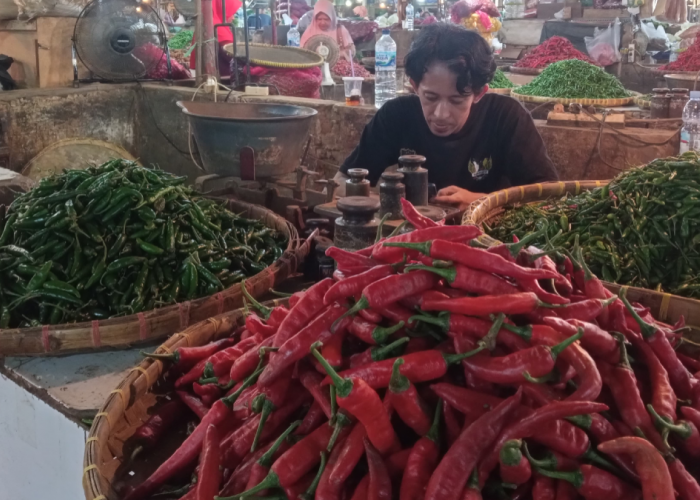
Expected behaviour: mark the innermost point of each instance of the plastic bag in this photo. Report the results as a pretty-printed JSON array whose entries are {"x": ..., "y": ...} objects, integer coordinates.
[{"x": 603, "y": 46}]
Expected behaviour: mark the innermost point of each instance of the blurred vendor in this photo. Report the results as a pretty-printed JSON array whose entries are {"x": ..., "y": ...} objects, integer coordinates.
[
  {"x": 325, "y": 22},
  {"x": 474, "y": 142}
]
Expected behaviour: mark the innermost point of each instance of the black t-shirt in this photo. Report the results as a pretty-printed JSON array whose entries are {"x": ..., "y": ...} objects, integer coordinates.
[{"x": 498, "y": 147}]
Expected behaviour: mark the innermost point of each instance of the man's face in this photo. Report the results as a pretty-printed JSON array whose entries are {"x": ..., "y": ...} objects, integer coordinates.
[
  {"x": 445, "y": 109},
  {"x": 323, "y": 21}
]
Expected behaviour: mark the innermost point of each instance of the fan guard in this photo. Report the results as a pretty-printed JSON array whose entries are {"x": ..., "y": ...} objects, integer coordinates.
[
  {"x": 119, "y": 39},
  {"x": 324, "y": 46},
  {"x": 186, "y": 7}
]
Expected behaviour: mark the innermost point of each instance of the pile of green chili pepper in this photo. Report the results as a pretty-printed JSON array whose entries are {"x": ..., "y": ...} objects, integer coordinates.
[
  {"x": 500, "y": 81},
  {"x": 574, "y": 79},
  {"x": 118, "y": 239},
  {"x": 642, "y": 229}
]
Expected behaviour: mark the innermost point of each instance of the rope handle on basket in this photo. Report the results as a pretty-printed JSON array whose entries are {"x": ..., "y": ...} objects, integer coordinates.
[
  {"x": 144, "y": 372},
  {"x": 106, "y": 416},
  {"x": 121, "y": 394}
]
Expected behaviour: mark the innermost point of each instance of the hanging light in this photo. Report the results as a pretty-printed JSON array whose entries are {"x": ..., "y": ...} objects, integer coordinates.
[
  {"x": 138, "y": 9},
  {"x": 382, "y": 5},
  {"x": 348, "y": 3}
]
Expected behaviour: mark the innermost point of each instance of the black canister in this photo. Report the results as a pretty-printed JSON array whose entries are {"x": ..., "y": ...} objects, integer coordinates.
[
  {"x": 357, "y": 185},
  {"x": 679, "y": 98},
  {"x": 391, "y": 190},
  {"x": 357, "y": 228},
  {"x": 415, "y": 177},
  {"x": 660, "y": 103},
  {"x": 326, "y": 265}
]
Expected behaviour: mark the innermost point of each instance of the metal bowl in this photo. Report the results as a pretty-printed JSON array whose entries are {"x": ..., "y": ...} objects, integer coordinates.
[
  {"x": 277, "y": 134},
  {"x": 690, "y": 81}
]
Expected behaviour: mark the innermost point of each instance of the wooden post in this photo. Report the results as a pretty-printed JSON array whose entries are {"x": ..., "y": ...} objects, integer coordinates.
[{"x": 199, "y": 38}]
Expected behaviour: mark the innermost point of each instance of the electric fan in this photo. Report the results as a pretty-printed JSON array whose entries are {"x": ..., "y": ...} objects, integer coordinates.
[
  {"x": 325, "y": 46},
  {"x": 119, "y": 40},
  {"x": 186, "y": 7}
]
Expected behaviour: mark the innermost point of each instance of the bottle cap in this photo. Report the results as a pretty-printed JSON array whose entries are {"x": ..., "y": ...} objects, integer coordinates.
[
  {"x": 385, "y": 31},
  {"x": 695, "y": 94}
]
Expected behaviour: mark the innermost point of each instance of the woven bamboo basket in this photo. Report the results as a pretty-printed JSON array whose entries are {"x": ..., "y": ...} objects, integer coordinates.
[
  {"x": 624, "y": 101},
  {"x": 499, "y": 91},
  {"x": 126, "y": 407},
  {"x": 664, "y": 306},
  {"x": 525, "y": 71},
  {"x": 121, "y": 332}
]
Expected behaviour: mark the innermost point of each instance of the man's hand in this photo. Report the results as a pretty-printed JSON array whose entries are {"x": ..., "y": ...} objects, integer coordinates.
[{"x": 454, "y": 195}]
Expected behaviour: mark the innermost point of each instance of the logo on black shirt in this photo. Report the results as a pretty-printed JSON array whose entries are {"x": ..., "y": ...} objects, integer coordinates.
[{"x": 480, "y": 171}]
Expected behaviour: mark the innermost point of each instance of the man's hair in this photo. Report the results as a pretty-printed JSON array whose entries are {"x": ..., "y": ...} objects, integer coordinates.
[{"x": 465, "y": 52}]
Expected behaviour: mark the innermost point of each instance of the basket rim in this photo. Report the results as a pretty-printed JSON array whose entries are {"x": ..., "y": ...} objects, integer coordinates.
[
  {"x": 317, "y": 60},
  {"x": 622, "y": 101}
]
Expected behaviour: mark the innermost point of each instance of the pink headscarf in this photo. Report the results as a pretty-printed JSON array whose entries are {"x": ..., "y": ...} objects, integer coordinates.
[
  {"x": 360, "y": 11},
  {"x": 339, "y": 33}
]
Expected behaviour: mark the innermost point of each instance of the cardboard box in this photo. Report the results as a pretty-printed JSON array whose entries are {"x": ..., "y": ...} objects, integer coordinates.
[{"x": 547, "y": 10}]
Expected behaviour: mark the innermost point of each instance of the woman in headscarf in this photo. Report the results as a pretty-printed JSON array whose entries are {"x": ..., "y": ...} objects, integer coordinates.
[{"x": 325, "y": 22}]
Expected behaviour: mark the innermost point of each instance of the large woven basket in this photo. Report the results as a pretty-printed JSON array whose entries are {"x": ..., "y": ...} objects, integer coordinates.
[
  {"x": 499, "y": 91},
  {"x": 124, "y": 331},
  {"x": 560, "y": 100},
  {"x": 126, "y": 407},
  {"x": 664, "y": 306},
  {"x": 525, "y": 71}
]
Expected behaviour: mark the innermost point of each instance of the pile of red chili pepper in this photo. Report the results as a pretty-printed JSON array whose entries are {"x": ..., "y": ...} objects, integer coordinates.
[
  {"x": 688, "y": 60},
  {"x": 429, "y": 368},
  {"x": 554, "y": 49}
]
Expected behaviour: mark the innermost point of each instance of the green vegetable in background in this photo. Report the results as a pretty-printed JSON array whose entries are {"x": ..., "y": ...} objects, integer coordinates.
[
  {"x": 181, "y": 40},
  {"x": 574, "y": 79},
  {"x": 642, "y": 229},
  {"x": 500, "y": 81},
  {"x": 119, "y": 239}
]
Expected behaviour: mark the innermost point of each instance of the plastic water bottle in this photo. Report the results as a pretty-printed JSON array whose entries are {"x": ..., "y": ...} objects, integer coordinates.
[
  {"x": 409, "y": 16},
  {"x": 293, "y": 36},
  {"x": 690, "y": 133},
  {"x": 385, "y": 69}
]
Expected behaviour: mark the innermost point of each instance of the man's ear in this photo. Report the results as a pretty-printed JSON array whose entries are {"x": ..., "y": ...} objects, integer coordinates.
[
  {"x": 414, "y": 85},
  {"x": 477, "y": 97}
]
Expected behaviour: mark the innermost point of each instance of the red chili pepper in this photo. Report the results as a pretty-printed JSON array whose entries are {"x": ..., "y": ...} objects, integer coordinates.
[
  {"x": 268, "y": 401},
  {"x": 535, "y": 422},
  {"x": 295, "y": 463},
  {"x": 552, "y": 461},
  {"x": 462, "y": 343},
  {"x": 218, "y": 364},
  {"x": 371, "y": 316},
  {"x": 594, "y": 484},
  {"x": 601, "y": 429},
  {"x": 238, "y": 479},
  {"x": 362, "y": 489},
  {"x": 188, "y": 356},
  {"x": 470, "y": 280},
  {"x": 349, "y": 455},
  {"x": 152, "y": 430},
  {"x": 540, "y": 394},
  {"x": 451, "y": 475},
  {"x": 561, "y": 284},
  {"x": 681, "y": 379},
  {"x": 457, "y": 324},
  {"x": 471, "y": 403},
  {"x": 514, "y": 467},
  {"x": 543, "y": 488},
  {"x": 306, "y": 309},
  {"x": 596, "y": 340},
  {"x": 623, "y": 386},
  {"x": 452, "y": 425},
  {"x": 189, "y": 450},
  {"x": 585, "y": 310},
  {"x": 566, "y": 491},
  {"x": 472, "y": 491},
  {"x": 295, "y": 298},
  {"x": 686, "y": 430},
  {"x": 663, "y": 399},
  {"x": 418, "y": 367},
  {"x": 345, "y": 258},
  {"x": 371, "y": 333},
  {"x": 261, "y": 468},
  {"x": 691, "y": 364},
  {"x": 256, "y": 326},
  {"x": 296, "y": 347},
  {"x": 193, "y": 403},
  {"x": 651, "y": 466},
  {"x": 246, "y": 364},
  {"x": 686, "y": 485},
  {"x": 356, "y": 397},
  {"x": 209, "y": 476},
  {"x": 277, "y": 316},
  {"x": 405, "y": 400},
  {"x": 397, "y": 313},
  {"x": 354, "y": 285},
  {"x": 533, "y": 286},
  {"x": 533, "y": 362},
  {"x": 392, "y": 289},
  {"x": 475, "y": 258},
  {"x": 333, "y": 348},
  {"x": 380, "y": 353},
  {"x": 313, "y": 418},
  {"x": 517, "y": 303},
  {"x": 396, "y": 463},
  {"x": 386, "y": 253},
  {"x": 422, "y": 461},
  {"x": 311, "y": 381},
  {"x": 570, "y": 441},
  {"x": 414, "y": 217},
  {"x": 379, "y": 480},
  {"x": 207, "y": 391}
]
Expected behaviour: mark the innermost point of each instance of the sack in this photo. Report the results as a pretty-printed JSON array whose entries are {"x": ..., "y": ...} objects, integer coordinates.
[
  {"x": 290, "y": 82},
  {"x": 603, "y": 46}
]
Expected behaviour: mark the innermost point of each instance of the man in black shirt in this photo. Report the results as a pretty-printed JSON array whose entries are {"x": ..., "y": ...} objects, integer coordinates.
[{"x": 474, "y": 142}]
